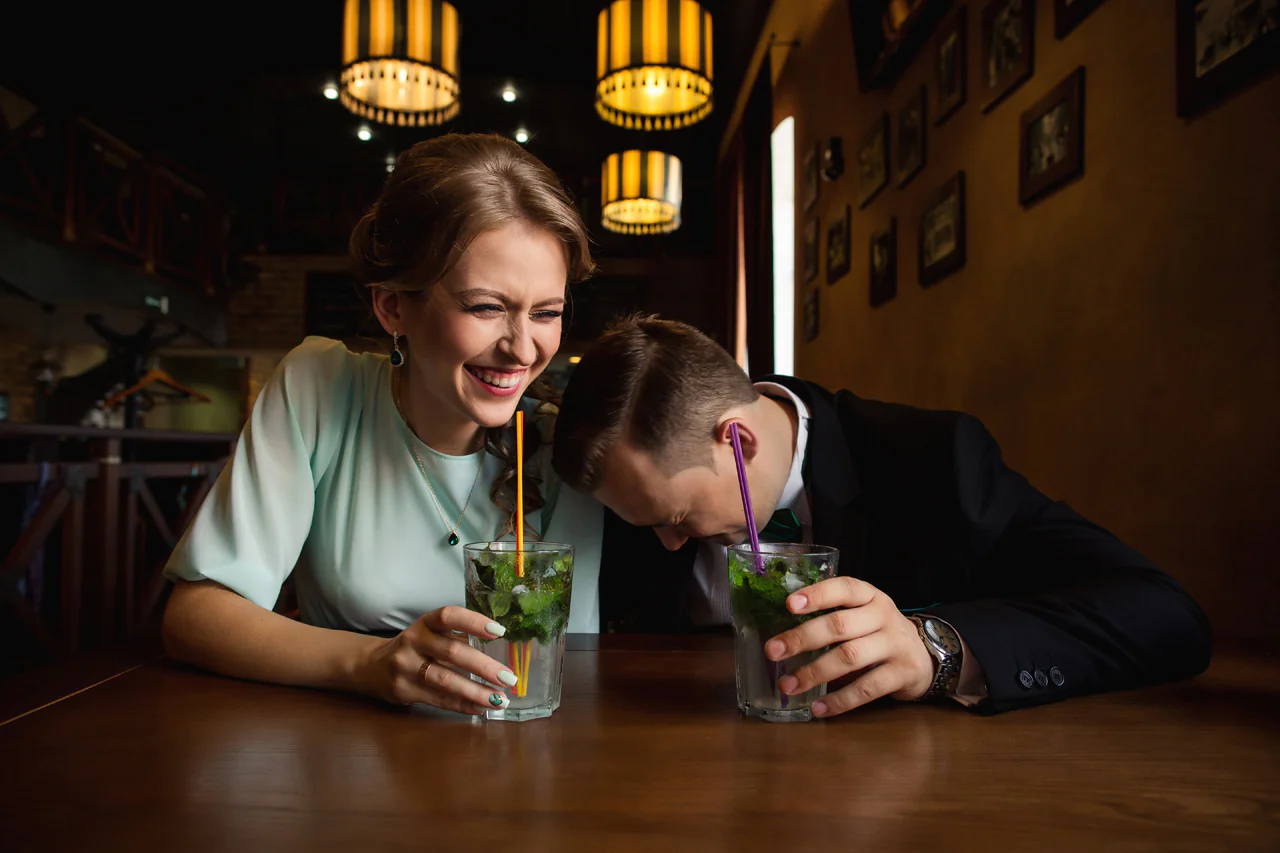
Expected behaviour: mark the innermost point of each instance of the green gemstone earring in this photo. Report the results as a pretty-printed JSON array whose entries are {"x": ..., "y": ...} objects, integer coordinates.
[{"x": 397, "y": 357}]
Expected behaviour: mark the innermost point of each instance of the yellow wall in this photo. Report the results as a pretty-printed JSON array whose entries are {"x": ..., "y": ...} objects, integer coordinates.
[{"x": 1121, "y": 338}]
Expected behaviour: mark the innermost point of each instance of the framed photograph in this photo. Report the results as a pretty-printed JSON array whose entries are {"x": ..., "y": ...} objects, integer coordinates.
[
  {"x": 941, "y": 251},
  {"x": 838, "y": 254},
  {"x": 1051, "y": 141},
  {"x": 951, "y": 68},
  {"x": 1008, "y": 42},
  {"x": 873, "y": 161},
  {"x": 909, "y": 154},
  {"x": 1222, "y": 46},
  {"x": 810, "y": 250},
  {"x": 812, "y": 158},
  {"x": 1067, "y": 14},
  {"x": 811, "y": 315},
  {"x": 884, "y": 263}
]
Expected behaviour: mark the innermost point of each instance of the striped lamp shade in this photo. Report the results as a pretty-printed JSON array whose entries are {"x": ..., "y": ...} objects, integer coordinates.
[
  {"x": 400, "y": 61},
  {"x": 640, "y": 192},
  {"x": 653, "y": 64}
]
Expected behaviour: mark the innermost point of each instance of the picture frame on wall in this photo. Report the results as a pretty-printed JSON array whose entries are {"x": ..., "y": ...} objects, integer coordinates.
[
  {"x": 883, "y": 263},
  {"x": 812, "y": 159},
  {"x": 1223, "y": 45},
  {"x": 1008, "y": 48},
  {"x": 809, "y": 251},
  {"x": 951, "y": 67},
  {"x": 1051, "y": 140},
  {"x": 873, "y": 161},
  {"x": 839, "y": 252},
  {"x": 811, "y": 315},
  {"x": 909, "y": 137},
  {"x": 1067, "y": 15},
  {"x": 941, "y": 249}
]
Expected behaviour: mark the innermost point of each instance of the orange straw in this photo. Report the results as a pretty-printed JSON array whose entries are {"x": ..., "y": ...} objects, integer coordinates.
[{"x": 520, "y": 494}]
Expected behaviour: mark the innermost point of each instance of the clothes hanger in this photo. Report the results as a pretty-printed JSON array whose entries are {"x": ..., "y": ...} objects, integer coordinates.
[{"x": 153, "y": 377}]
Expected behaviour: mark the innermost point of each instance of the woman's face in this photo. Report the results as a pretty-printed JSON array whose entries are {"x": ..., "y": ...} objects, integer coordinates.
[{"x": 489, "y": 328}]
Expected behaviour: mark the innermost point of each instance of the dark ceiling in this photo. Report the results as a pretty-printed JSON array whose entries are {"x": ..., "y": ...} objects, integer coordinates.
[{"x": 233, "y": 91}]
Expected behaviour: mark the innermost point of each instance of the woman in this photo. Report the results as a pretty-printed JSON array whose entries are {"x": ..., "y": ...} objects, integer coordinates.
[{"x": 373, "y": 469}]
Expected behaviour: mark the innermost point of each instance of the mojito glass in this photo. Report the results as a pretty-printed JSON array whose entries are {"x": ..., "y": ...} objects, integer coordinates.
[
  {"x": 759, "y": 583},
  {"x": 527, "y": 592}
]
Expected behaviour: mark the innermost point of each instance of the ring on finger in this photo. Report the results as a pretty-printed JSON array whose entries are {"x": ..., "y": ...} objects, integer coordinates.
[{"x": 425, "y": 668}]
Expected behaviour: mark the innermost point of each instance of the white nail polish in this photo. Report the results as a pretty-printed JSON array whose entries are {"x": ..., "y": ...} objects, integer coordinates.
[
  {"x": 495, "y": 629},
  {"x": 508, "y": 678}
]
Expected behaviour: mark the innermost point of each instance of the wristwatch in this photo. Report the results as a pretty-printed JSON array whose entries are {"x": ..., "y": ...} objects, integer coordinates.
[{"x": 943, "y": 643}]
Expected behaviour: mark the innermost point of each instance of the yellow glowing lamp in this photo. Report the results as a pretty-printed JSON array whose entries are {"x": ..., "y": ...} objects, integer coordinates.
[
  {"x": 640, "y": 192},
  {"x": 400, "y": 61},
  {"x": 653, "y": 64}
]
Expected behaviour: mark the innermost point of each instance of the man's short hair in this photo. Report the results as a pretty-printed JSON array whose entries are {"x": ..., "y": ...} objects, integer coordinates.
[{"x": 660, "y": 384}]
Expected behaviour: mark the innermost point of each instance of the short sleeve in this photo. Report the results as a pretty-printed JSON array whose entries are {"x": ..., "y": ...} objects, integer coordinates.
[{"x": 251, "y": 528}]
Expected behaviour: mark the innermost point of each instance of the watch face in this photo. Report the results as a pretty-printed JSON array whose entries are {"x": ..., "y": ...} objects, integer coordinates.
[{"x": 942, "y": 636}]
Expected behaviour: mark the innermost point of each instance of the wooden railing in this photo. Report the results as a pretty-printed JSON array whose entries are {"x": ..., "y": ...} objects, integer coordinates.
[
  {"x": 63, "y": 176},
  {"x": 109, "y": 568}
]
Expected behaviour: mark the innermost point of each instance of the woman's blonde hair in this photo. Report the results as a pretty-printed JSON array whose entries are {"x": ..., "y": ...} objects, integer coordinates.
[{"x": 442, "y": 194}]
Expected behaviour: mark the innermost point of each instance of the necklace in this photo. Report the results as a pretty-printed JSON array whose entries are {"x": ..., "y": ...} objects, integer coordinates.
[{"x": 453, "y": 531}]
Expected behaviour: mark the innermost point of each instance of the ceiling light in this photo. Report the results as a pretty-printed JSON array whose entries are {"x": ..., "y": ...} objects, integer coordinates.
[
  {"x": 363, "y": 133},
  {"x": 640, "y": 192},
  {"x": 400, "y": 61},
  {"x": 331, "y": 91},
  {"x": 522, "y": 136},
  {"x": 574, "y": 359},
  {"x": 653, "y": 64},
  {"x": 508, "y": 94}
]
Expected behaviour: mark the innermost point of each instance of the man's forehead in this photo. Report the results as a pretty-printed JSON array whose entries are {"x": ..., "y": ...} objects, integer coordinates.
[{"x": 635, "y": 488}]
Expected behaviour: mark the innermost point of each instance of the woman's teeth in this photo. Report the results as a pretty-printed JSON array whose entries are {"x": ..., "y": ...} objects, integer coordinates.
[{"x": 497, "y": 380}]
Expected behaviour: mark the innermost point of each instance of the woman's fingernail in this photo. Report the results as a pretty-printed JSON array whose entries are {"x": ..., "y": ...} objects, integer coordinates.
[
  {"x": 819, "y": 709},
  {"x": 508, "y": 678},
  {"x": 788, "y": 683},
  {"x": 495, "y": 629},
  {"x": 775, "y": 649},
  {"x": 799, "y": 602},
  {"x": 497, "y": 700}
]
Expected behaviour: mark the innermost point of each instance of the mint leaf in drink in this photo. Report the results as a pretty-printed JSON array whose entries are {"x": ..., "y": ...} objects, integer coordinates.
[
  {"x": 499, "y": 604},
  {"x": 533, "y": 603},
  {"x": 534, "y": 606}
]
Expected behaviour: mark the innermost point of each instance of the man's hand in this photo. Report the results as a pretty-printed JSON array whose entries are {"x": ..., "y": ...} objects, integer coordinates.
[{"x": 867, "y": 635}]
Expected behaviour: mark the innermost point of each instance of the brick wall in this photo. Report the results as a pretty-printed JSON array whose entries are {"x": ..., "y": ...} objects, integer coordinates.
[
  {"x": 16, "y": 355},
  {"x": 269, "y": 319}
]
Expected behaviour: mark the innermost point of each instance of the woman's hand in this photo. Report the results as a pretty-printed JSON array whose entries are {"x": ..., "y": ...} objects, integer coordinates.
[{"x": 430, "y": 662}]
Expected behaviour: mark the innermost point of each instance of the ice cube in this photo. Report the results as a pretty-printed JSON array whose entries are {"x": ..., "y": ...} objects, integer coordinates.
[
  {"x": 519, "y": 589},
  {"x": 791, "y": 582}
]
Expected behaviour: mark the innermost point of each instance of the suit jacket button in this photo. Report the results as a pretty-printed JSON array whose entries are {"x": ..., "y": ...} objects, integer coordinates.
[
  {"x": 1042, "y": 679},
  {"x": 1025, "y": 679},
  {"x": 1056, "y": 676}
]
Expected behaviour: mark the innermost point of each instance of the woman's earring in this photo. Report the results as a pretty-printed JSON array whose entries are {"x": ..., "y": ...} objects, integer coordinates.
[{"x": 397, "y": 357}]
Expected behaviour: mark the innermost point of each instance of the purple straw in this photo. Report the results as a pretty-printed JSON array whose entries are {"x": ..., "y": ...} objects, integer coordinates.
[{"x": 746, "y": 497}]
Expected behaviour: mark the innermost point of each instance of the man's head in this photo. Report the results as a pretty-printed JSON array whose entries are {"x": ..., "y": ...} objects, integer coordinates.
[{"x": 645, "y": 427}]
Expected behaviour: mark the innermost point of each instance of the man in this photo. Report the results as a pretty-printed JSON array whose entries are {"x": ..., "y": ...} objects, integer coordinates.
[{"x": 1015, "y": 599}]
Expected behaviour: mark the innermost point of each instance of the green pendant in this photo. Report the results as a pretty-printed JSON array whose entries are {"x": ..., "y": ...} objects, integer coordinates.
[{"x": 453, "y": 539}]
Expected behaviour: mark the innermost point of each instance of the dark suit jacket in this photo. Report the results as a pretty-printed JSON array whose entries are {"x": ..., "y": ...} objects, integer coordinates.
[{"x": 922, "y": 506}]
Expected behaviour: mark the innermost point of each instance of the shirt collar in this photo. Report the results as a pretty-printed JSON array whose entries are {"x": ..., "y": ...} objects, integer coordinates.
[{"x": 794, "y": 488}]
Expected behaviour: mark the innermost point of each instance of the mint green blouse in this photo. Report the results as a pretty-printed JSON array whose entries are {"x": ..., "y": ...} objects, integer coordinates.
[{"x": 323, "y": 477}]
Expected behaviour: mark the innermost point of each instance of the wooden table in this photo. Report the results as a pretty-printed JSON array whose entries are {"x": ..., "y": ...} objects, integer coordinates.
[{"x": 647, "y": 753}]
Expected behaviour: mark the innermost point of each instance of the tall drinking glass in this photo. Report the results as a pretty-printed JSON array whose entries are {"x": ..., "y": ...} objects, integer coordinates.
[
  {"x": 527, "y": 592},
  {"x": 759, "y": 583}
]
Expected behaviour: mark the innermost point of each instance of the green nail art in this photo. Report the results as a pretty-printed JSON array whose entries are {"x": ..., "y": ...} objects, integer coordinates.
[{"x": 495, "y": 699}]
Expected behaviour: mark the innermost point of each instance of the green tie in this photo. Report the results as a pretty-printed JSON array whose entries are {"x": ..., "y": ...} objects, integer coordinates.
[{"x": 782, "y": 527}]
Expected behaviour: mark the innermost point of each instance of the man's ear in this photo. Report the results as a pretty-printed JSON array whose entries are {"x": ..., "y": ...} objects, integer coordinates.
[
  {"x": 389, "y": 306},
  {"x": 746, "y": 436}
]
